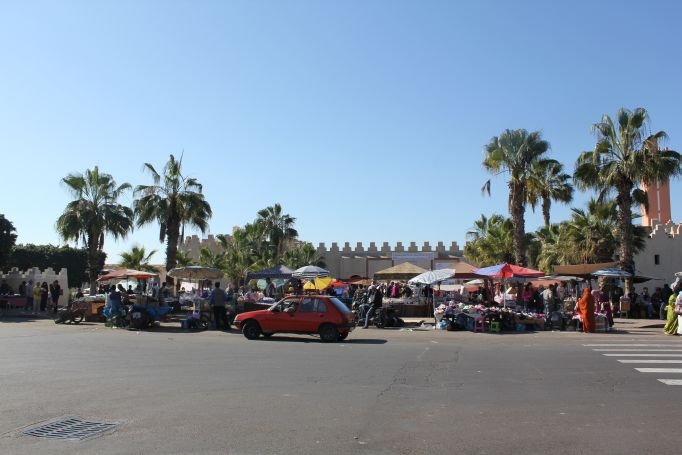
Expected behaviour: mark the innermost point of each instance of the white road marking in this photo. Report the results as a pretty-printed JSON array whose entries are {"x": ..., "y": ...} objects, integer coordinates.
[
  {"x": 613, "y": 345},
  {"x": 659, "y": 370},
  {"x": 649, "y": 361},
  {"x": 671, "y": 381},
  {"x": 638, "y": 350},
  {"x": 653, "y": 354}
]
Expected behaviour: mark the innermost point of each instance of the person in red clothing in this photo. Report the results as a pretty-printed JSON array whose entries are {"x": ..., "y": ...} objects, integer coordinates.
[
  {"x": 586, "y": 309},
  {"x": 527, "y": 296}
]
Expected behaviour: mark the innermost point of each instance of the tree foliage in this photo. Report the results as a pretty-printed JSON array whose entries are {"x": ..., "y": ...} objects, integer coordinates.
[
  {"x": 8, "y": 238},
  {"x": 93, "y": 213},
  {"x": 138, "y": 259},
  {"x": 302, "y": 255},
  {"x": 173, "y": 201},
  {"x": 548, "y": 182},
  {"x": 626, "y": 153},
  {"x": 278, "y": 228},
  {"x": 589, "y": 236},
  {"x": 490, "y": 241},
  {"x": 516, "y": 152}
]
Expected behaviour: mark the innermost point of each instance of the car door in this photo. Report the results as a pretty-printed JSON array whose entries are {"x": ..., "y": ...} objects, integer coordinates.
[
  {"x": 280, "y": 320},
  {"x": 312, "y": 312}
]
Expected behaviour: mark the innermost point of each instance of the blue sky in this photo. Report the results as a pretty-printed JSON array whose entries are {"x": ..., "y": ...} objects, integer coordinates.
[{"x": 366, "y": 120}]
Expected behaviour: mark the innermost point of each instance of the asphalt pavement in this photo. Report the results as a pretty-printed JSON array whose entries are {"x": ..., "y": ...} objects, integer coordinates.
[{"x": 410, "y": 391}]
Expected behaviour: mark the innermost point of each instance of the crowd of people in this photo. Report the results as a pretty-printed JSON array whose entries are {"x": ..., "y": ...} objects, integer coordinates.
[{"x": 41, "y": 297}]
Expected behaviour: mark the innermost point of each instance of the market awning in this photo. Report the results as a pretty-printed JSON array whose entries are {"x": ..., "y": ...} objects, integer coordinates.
[
  {"x": 402, "y": 271},
  {"x": 464, "y": 271}
]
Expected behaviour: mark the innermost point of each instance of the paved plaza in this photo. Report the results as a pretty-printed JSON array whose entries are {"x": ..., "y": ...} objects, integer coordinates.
[{"x": 381, "y": 391}]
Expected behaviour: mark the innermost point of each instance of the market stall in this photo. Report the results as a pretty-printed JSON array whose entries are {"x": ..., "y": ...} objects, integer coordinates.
[{"x": 193, "y": 304}]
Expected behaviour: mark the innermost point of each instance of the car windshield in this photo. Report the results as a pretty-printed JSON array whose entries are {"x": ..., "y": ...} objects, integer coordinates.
[
  {"x": 274, "y": 305},
  {"x": 339, "y": 305}
]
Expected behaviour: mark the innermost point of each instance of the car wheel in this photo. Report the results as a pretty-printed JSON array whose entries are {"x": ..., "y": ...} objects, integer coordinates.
[
  {"x": 251, "y": 330},
  {"x": 77, "y": 318},
  {"x": 342, "y": 336},
  {"x": 328, "y": 333}
]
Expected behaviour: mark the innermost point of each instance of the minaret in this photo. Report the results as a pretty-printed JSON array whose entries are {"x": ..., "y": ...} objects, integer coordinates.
[{"x": 658, "y": 194}]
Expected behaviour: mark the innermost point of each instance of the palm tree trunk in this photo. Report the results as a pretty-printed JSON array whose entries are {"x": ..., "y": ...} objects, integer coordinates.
[
  {"x": 625, "y": 232},
  {"x": 92, "y": 263},
  {"x": 517, "y": 213},
  {"x": 172, "y": 248},
  {"x": 546, "y": 204}
]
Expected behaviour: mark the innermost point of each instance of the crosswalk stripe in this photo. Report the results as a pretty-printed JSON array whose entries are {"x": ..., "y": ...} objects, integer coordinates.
[
  {"x": 637, "y": 350},
  {"x": 653, "y": 354},
  {"x": 625, "y": 345},
  {"x": 659, "y": 370},
  {"x": 671, "y": 381},
  {"x": 649, "y": 361}
]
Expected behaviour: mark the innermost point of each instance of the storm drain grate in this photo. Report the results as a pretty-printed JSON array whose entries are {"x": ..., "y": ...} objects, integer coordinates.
[{"x": 73, "y": 428}]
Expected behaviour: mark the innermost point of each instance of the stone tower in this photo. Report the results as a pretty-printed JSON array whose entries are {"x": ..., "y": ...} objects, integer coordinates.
[{"x": 658, "y": 194}]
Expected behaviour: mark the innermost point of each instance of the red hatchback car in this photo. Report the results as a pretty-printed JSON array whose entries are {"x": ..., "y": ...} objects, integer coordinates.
[{"x": 324, "y": 315}]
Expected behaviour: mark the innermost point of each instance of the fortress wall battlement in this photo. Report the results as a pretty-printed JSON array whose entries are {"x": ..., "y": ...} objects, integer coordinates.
[{"x": 14, "y": 277}]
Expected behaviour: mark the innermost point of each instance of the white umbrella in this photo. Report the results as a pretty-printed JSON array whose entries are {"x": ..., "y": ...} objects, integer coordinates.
[
  {"x": 310, "y": 272},
  {"x": 476, "y": 282},
  {"x": 433, "y": 276}
]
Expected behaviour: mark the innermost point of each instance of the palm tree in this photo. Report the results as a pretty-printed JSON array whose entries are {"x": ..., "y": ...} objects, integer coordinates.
[
  {"x": 93, "y": 213},
  {"x": 491, "y": 241},
  {"x": 138, "y": 259},
  {"x": 302, "y": 255},
  {"x": 209, "y": 258},
  {"x": 240, "y": 251},
  {"x": 173, "y": 200},
  {"x": 483, "y": 226},
  {"x": 279, "y": 227},
  {"x": 515, "y": 152},
  {"x": 594, "y": 233},
  {"x": 625, "y": 155},
  {"x": 548, "y": 183},
  {"x": 183, "y": 259},
  {"x": 555, "y": 246}
]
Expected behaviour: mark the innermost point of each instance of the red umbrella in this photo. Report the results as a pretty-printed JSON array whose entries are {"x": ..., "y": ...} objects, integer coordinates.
[{"x": 506, "y": 270}]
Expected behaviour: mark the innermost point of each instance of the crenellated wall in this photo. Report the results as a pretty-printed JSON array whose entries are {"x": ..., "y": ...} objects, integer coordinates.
[
  {"x": 14, "y": 278},
  {"x": 192, "y": 245},
  {"x": 364, "y": 261},
  {"x": 361, "y": 260}
]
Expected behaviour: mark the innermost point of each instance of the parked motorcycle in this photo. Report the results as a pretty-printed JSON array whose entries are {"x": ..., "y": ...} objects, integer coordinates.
[
  {"x": 386, "y": 316},
  {"x": 198, "y": 321}
]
